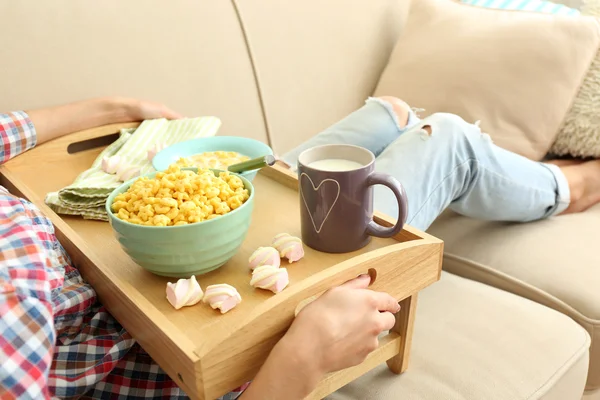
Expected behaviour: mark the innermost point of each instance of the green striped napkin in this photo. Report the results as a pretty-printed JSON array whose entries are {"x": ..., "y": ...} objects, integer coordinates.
[{"x": 87, "y": 195}]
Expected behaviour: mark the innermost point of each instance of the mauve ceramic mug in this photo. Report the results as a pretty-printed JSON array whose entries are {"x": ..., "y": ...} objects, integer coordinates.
[{"x": 336, "y": 198}]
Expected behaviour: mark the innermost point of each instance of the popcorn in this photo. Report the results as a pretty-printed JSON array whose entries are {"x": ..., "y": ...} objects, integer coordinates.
[
  {"x": 270, "y": 278},
  {"x": 264, "y": 256},
  {"x": 155, "y": 149},
  {"x": 111, "y": 164},
  {"x": 222, "y": 296},
  {"x": 212, "y": 159},
  {"x": 185, "y": 292},
  {"x": 176, "y": 197},
  {"x": 289, "y": 247}
]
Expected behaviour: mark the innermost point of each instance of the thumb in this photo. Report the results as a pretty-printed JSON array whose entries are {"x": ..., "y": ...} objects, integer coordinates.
[{"x": 361, "y": 282}]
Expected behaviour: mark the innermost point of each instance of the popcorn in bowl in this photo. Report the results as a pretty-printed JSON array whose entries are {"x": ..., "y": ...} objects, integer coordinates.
[
  {"x": 180, "y": 197},
  {"x": 212, "y": 159},
  {"x": 180, "y": 223}
]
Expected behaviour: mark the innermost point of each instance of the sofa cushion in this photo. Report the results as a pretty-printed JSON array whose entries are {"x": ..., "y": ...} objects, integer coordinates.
[
  {"x": 190, "y": 55},
  {"x": 571, "y": 3},
  {"x": 317, "y": 61},
  {"x": 579, "y": 135},
  {"x": 554, "y": 262},
  {"x": 494, "y": 66},
  {"x": 472, "y": 342}
]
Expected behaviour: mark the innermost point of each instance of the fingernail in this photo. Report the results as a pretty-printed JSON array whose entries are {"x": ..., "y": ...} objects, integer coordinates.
[{"x": 399, "y": 308}]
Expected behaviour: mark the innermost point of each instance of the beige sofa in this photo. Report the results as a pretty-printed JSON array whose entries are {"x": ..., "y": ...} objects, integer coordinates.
[{"x": 280, "y": 71}]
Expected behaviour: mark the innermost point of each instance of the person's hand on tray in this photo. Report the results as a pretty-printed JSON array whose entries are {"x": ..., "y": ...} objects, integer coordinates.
[
  {"x": 54, "y": 122},
  {"x": 334, "y": 332}
]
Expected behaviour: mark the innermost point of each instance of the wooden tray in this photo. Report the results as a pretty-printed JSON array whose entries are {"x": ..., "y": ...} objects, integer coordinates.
[{"x": 206, "y": 353}]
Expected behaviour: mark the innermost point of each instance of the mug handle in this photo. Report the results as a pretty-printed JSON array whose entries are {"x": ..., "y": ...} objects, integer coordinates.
[{"x": 373, "y": 228}]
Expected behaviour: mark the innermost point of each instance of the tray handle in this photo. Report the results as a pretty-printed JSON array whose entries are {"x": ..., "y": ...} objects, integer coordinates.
[
  {"x": 85, "y": 140},
  {"x": 400, "y": 275}
]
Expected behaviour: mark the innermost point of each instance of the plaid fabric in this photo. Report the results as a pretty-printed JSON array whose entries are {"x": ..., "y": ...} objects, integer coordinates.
[
  {"x": 17, "y": 135},
  {"x": 56, "y": 339}
]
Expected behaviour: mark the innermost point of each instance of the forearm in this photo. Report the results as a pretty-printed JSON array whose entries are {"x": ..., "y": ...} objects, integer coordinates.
[
  {"x": 288, "y": 374},
  {"x": 54, "y": 122}
]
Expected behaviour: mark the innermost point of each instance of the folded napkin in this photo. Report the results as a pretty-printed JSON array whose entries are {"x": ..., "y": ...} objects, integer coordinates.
[{"x": 87, "y": 195}]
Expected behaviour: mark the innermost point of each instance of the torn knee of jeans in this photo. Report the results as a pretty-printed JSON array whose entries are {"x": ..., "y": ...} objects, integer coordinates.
[
  {"x": 486, "y": 137},
  {"x": 426, "y": 131},
  {"x": 398, "y": 110}
]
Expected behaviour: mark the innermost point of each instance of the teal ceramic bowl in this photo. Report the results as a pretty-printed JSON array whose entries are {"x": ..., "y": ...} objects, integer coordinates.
[
  {"x": 248, "y": 147},
  {"x": 186, "y": 250}
]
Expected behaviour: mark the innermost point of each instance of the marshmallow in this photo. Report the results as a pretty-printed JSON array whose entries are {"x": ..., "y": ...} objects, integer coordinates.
[
  {"x": 222, "y": 296},
  {"x": 111, "y": 164},
  {"x": 270, "y": 278},
  {"x": 155, "y": 149},
  {"x": 264, "y": 256},
  {"x": 185, "y": 292},
  {"x": 127, "y": 171},
  {"x": 289, "y": 247}
]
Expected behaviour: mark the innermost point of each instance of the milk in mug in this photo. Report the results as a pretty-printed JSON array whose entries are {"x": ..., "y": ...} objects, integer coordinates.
[{"x": 335, "y": 165}]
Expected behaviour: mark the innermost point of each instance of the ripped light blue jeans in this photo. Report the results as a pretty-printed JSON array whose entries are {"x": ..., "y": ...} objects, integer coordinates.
[{"x": 457, "y": 166}]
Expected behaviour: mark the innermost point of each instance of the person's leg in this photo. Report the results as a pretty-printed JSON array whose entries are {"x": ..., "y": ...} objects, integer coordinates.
[
  {"x": 374, "y": 126},
  {"x": 451, "y": 163},
  {"x": 446, "y": 162}
]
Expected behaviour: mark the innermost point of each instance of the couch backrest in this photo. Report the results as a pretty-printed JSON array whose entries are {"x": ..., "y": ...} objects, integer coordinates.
[
  {"x": 289, "y": 67},
  {"x": 189, "y": 54},
  {"x": 316, "y": 61}
]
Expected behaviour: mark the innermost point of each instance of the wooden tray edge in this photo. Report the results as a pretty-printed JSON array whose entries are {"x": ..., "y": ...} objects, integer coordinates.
[{"x": 277, "y": 316}]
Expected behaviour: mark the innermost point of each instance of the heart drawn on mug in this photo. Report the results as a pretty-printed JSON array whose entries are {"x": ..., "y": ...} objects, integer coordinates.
[{"x": 319, "y": 213}]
